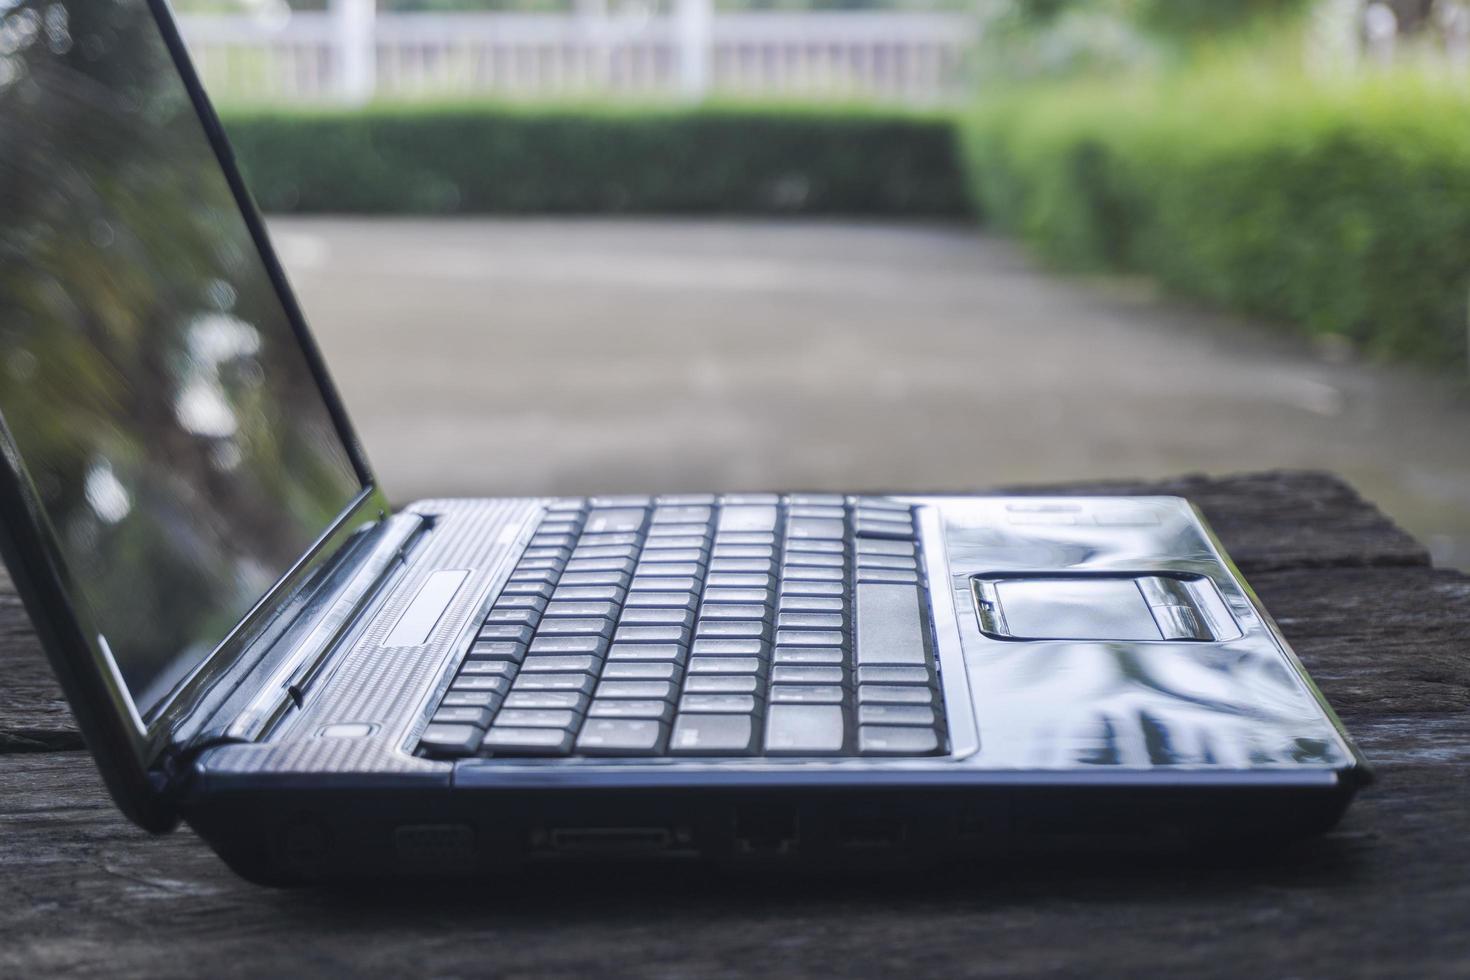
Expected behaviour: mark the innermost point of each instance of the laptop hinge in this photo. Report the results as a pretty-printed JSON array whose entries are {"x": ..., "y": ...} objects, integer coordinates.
[{"x": 285, "y": 687}]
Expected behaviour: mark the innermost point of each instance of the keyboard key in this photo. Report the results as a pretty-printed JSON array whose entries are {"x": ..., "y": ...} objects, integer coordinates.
[
  {"x": 746, "y": 551},
  {"x": 520, "y": 602},
  {"x": 581, "y": 683},
  {"x": 641, "y": 670},
  {"x": 801, "y": 729},
  {"x": 683, "y": 569},
  {"x": 619, "y": 579},
  {"x": 472, "y": 699},
  {"x": 817, "y": 499},
  {"x": 687, "y": 499},
  {"x": 895, "y": 714},
  {"x": 586, "y": 552},
  {"x": 659, "y": 556},
  {"x": 809, "y": 655},
  {"x": 805, "y": 674},
  {"x": 505, "y": 631},
  {"x": 451, "y": 740},
  {"x": 599, "y": 626},
  {"x": 564, "y": 663},
  {"x": 474, "y": 682},
  {"x": 527, "y": 563},
  {"x": 645, "y": 652},
  {"x": 877, "y": 547},
  {"x": 652, "y": 634},
  {"x": 745, "y": 537},
  {"x": 617, "y": 708},
  {"x": 827, "y": 513},
  {"x": 815, "y": 546},
  {"x": 815, "y": 527},
  {"x": 893, "y": 675},
  {"x": 719, "y": 596},
  {"x": 895, "y": 562},
  {"x": 889, "y": 629},
  {"x": 623, "y": 500},
  {"x": 660, "y": 583},
  {"x": 658, "y": 531},
  {"x": 498, "y": 650},
  {"x": 594, "y": 646},
  {"x": 713, "y": 735},
  {"x": 746, "y": 518},
  {"x": 674, "y": 542},
  {"x": 527, "y": 616},
  {"x": 638, "y": 690},
  {"x": 763, "y": 566},
  {"x": 790, "y": 588},
  {"x": 806, "y": 620},
  {"x": 608, "y": 541},
  {"x": 722, "y": 684},
  {"x": 546, "y": 700},
  {"x": 814, "y": 559},
  {"x": 736, "y": 499},
  {"x": 732, "y": 610},
  {"x": 657, "y": 617},
  {"x": 892, "y": 575},
  {"x": 566, "y": 504},
  {"x": 729, "y": 647},
  {"x": 810, "y": 638},
  {"x": 616, "y": 520},
  {"x": 741, "y": 580},
  {"x": 892, "y": 740},
  {"x": 536, "y": 718},
  {"x": 808, "y": 573},
  {"x": 810, "y": 603},
  {"x": 881, "y": 503},
  {"x": 553, "y": 541},
  {"x": 527, "y": 741},
  {"x": 731, "y": 628},
  {"x": 691, "y": 514},
  {"x": 544, "y": 576},
  {"x": 718, "y": 704},
  {"x": 806, "y": 694},
  {"x": 574, "y": 609},
  {"x": 463, "y": 715},
  {"x": 893, "y": 694},
  {"x": 662, "y": 600},
  {"x": 488, "y": 668},
  {"x": 622, "y": 736},
  {"x": 589, "y": 593},
  {"x": 724, "y": 665}
]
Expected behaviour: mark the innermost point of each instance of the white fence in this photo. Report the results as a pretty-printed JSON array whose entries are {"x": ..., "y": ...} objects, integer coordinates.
[{"x": 352, "y": 54}]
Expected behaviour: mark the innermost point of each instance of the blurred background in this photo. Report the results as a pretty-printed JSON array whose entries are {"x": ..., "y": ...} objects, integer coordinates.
[{"x": 561, "y": 246}]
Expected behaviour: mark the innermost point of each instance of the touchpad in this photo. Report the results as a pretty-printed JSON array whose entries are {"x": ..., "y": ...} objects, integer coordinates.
[{"x": 1097, "y": 607}]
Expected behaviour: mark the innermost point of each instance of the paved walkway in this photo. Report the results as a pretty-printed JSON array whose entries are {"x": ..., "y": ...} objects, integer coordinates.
[{"x": 530, "y": 356}]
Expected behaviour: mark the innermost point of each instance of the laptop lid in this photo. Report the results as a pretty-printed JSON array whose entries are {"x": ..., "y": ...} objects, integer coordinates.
[{"x": 175, "y": 459}]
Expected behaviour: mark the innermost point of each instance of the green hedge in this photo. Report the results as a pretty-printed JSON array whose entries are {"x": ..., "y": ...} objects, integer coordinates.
[
  {"x": 509, "y": 159},
  {"x": 1343, "y": 208}
]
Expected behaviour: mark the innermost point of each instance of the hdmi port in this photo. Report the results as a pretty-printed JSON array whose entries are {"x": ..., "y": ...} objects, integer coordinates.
[{"x": 610, "y": 840}]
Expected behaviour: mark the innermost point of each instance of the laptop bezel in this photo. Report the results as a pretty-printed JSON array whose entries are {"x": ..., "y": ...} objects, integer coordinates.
[{"x": 127, "y": 745}]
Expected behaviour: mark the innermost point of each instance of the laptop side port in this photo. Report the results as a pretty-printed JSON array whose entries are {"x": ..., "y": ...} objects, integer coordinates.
[
  {"x": 870, "y": 833},
  {"x": 610, "y": 841},
  {"x": 767, "y": 832}
]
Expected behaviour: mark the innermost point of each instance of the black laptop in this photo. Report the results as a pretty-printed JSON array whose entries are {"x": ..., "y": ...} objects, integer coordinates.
[{"x": 254, "y": 642}]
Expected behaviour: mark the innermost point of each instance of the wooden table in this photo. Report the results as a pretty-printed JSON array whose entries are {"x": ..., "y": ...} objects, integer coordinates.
[{"x": 1387, "y": 893}]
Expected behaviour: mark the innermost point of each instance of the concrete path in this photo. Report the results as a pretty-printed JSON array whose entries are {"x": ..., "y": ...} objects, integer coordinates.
[{"x": 489, "y": 357}]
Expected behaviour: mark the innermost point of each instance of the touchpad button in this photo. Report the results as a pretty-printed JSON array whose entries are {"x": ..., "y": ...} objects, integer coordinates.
[{"x": 1074, "y": 608}]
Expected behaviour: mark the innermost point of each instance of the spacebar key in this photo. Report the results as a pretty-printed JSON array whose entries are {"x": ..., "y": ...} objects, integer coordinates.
[{"x": 889, "y": 629}]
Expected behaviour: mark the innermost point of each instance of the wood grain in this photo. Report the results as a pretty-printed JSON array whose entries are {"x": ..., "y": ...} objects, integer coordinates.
[{"x": 1386, "y": 636}]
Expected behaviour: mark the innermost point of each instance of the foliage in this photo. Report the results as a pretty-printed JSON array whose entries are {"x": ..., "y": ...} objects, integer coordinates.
[
  {"x": 479, "y": 158},
  {"x": 1342, "y": 207}
]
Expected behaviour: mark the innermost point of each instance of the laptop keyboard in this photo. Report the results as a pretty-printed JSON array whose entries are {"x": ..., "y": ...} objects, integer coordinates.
[{"x": 742, "y": 625}]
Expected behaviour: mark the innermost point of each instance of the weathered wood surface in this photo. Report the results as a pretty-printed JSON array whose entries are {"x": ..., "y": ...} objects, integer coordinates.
[{"x": 1385, "y": 894}]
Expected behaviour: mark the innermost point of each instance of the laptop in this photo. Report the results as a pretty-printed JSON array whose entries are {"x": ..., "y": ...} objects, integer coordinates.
[{"x": 255, "y": 643}]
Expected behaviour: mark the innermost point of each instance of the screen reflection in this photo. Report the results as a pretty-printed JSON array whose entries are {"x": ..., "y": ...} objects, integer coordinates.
[{"x": 149, "y": 377}]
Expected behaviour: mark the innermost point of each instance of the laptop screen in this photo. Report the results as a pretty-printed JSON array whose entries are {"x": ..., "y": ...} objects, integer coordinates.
[{"x": 150, "y": 380}]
